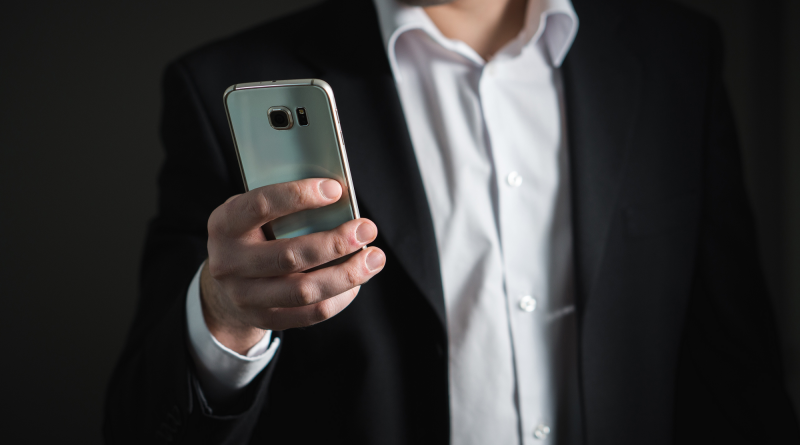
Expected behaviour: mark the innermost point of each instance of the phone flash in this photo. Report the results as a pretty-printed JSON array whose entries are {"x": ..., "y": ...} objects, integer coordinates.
[{"x": 302, "y": 118}]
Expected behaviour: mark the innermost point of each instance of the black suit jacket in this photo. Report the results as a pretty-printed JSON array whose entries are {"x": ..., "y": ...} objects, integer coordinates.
[{"x": 676, "y": 338}]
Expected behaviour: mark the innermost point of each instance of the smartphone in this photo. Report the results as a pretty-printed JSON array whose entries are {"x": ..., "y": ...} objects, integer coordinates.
[{"x": 286, "y": 130}]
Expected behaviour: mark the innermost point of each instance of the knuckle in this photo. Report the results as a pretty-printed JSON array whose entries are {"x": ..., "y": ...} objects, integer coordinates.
[
  {"x": 218, "y": 268},
  {"x": 300, "y": 193},
  {"x": 214, "y": 225},
  {"x": 214, "y": 268},
  {"x": 352, "y": 276},
  {"x": 340, "y": 246},
  {"x": 270, "y": 319},
  {"x": 258, "y": 207},
  {"x": 305, "y": 293},
  {"x": 288, "y": 260},
  {"x": 323, "y": 311}
]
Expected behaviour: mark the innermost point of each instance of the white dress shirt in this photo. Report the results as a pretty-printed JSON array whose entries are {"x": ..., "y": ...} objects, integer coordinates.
[
  {"x": 223, "y": 373},
  {"x": 490, "y": 141}
]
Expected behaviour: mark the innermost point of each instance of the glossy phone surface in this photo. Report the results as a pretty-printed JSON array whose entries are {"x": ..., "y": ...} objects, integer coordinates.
[{"x": 272, "y": 150}]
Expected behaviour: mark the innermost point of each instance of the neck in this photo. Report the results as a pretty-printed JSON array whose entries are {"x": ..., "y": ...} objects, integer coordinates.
[{"x": 485, "y": 25}]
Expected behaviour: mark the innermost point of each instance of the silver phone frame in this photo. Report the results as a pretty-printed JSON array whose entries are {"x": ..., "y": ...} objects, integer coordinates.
[{"x": 325, "y": 87}]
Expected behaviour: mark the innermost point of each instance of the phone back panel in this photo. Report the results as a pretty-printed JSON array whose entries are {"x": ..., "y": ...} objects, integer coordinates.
[{"x": 269, "y": 156}]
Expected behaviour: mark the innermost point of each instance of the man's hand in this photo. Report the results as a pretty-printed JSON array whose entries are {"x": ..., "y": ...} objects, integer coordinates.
[{"x": 250, "y": 284}]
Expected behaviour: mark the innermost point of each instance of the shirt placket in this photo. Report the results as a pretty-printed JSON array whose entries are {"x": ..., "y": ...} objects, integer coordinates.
[{"x": 520, "y": 221}]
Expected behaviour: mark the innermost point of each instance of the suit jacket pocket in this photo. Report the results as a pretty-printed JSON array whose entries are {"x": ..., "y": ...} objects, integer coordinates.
[{"x": 650, "y": 219}]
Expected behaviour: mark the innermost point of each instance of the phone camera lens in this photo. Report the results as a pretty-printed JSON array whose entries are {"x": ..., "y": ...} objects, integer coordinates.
[{"x": 279, "y": 118}]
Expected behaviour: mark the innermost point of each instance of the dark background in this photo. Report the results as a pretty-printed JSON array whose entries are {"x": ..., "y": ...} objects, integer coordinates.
[{"x": 80, "y": 154}]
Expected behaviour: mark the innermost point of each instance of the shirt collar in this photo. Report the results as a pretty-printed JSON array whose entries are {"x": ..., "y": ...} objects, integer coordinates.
[{"x": 552, "y": 21}]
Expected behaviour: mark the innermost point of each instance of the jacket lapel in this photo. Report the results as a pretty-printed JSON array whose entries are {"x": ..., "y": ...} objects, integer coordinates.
[
  {"x": 387, "y": 179},
  {"x": 385, "y": 173},
  {"x": 602, "y": 81}
]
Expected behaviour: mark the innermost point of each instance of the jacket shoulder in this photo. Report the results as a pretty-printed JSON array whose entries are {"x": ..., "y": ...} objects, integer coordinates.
[
  {"x": 671, "y": 27},
  {"x": 332, "y": 35},
  {"x": 270, "y": 43}
]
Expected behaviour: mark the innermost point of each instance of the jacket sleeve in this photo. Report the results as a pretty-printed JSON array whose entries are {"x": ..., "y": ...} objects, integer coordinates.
[
  {"x": 730, "y": 378},
  {"x": 154, "y": 395}
]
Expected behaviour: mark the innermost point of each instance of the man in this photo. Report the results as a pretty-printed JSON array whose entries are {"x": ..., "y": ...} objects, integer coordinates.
[{"x": 565, "y": 252}]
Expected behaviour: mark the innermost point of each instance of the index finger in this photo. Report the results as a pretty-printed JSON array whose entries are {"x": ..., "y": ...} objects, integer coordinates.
[{"x": 259, "y": 206}]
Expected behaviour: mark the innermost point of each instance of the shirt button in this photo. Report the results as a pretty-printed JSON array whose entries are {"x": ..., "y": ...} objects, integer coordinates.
[
  {"x": 527, "y": 303},
  {"x": 491, "y": 69},
  {"x": 514, "y": 179},
  {"x": 541, "y": 431}
]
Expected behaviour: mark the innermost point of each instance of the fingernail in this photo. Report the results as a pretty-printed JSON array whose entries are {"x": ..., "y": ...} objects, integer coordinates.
[
  {"x": 366, "y": 232},
  {"x": 375, "y": 260},
  {"x": 330, "y": 189}
]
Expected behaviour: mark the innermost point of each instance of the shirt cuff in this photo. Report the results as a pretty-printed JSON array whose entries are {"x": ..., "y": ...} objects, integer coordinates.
[{"x": 223, "y": 373}]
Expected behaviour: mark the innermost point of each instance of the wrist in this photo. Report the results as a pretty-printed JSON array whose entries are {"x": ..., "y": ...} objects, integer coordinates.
[{"x": 227, "y": 329}]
